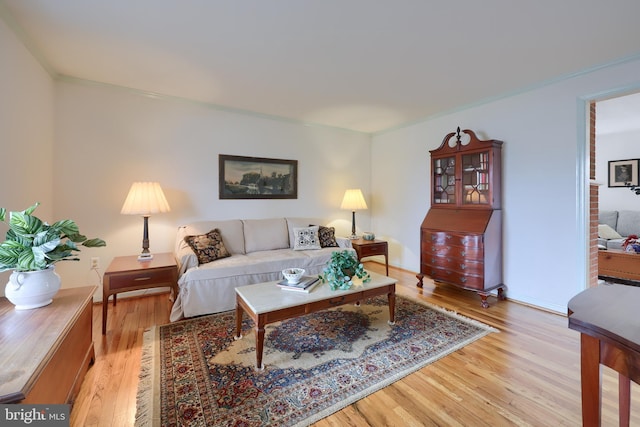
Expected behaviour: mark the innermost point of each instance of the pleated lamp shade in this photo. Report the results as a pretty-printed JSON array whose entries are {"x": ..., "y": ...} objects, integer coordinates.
[
  {"x": 353, "y": 200},
  {"x": 145, "y": 198}
]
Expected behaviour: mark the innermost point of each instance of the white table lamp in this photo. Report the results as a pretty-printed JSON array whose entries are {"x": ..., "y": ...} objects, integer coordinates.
[
  {"x": 145, "y": 198},
  {"x": 353, "y": 200}
]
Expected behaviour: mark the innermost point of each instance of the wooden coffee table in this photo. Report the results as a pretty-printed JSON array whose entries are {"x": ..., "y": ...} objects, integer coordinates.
[{"x": 267, "y": 303}]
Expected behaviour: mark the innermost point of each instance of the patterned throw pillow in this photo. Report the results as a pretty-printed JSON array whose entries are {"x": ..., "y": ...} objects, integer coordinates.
[
  {"x": 208, "y": 247},
  {"x": 306, "y": 238},
  {"x": 327, "y": 236}
]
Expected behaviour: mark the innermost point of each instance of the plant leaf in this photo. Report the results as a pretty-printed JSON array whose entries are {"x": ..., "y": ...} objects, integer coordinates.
[
  {"x": 25, "y": 225},
  {"x": 94, "y": 243},
  {"x": 66, "y": 227}
]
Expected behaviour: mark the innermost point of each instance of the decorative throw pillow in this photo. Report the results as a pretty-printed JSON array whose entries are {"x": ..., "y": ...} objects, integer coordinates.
[
  {"x": 606, "y": 232},
  {"x": 208, "y": 247},
  {"x": 327, "y": 236},
  {"x": 306, "y": 238}
]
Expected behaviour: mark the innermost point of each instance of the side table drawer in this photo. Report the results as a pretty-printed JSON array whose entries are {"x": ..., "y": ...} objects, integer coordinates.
[
  {"x": 140, "y": 278},
  {"x": 374, "y": 249}
]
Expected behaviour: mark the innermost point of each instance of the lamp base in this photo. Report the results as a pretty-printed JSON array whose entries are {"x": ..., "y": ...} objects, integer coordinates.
[
  {"x": 354, "y": 237},
  {"x": 145, "y": 257}
]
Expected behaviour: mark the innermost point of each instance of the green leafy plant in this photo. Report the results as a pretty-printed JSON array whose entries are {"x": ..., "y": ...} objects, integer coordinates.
[
  {"x": 31, "y": 244},
  {"x": 341, "y": 269}
]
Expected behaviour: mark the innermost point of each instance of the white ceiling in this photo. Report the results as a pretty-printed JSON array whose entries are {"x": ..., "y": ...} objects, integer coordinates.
[{"x": 364, "y": 65}]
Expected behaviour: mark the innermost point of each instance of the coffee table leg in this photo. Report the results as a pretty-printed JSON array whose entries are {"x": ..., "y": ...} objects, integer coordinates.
[
  {"x": 238, "y": 322},
  {"x": 259, "y": 342},
  {"x": 392, "y": 308}
]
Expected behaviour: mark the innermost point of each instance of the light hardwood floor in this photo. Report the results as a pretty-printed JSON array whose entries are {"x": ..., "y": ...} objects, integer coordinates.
[{"x": 528, "y": 374}]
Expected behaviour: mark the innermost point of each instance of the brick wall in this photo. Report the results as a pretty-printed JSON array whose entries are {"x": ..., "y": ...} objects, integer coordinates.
[{"x": 593, "y": 200}]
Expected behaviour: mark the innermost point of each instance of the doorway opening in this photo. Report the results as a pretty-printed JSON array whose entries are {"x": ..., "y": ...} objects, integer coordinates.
[{"x": 613, "y": 126}]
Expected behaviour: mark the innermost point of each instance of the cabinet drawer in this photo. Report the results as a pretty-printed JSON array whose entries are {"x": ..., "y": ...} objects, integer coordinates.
[
  {"x": 141, "y": 278},
  {"x": 452, "y": 239},
  {"x": 373, "y": 249},
  {"x": 461, "y": 265},
  {"x": 473, "y": 254},
  {"x": 456, "y": 278}
]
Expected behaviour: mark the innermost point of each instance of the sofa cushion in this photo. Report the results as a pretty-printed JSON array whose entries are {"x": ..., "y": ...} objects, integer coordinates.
[
  {"x": 208, "y": 247},
  {"x": 230, "y": 230},
  {"x": 265, "y": 234},
  {"x": 606, "y": 232},
  {"x": 327, "y": 236},
  {"x": 299, "y": 222},
  {"x": 306, "y": 238},
  {"x": 628, "y": 223},
  {"x": 608, "y": 217}
]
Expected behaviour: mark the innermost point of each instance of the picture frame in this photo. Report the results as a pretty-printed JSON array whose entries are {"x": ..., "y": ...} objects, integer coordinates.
[
  {"x": 243, "y": 177},
  {"x": 623, "y": 173}
]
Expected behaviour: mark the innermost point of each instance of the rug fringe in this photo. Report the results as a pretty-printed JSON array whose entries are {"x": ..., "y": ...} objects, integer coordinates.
[{"x": 146, "y": 400}]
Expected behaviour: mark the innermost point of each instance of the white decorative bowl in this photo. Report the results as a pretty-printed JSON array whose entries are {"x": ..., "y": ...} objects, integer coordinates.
[{"x": 293, "y": 275}]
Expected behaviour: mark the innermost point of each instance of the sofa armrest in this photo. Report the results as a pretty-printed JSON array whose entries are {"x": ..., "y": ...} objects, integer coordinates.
[
  {"x": 343, "y": 242},
  {"x": 186, "y": 259}
]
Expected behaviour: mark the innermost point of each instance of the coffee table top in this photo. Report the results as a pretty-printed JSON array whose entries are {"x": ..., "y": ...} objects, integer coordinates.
[{"x": 267, "y": 297}]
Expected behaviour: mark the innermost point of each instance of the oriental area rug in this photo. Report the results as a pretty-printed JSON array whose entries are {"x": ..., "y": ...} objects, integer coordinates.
[{"x": 194, "y": 372}]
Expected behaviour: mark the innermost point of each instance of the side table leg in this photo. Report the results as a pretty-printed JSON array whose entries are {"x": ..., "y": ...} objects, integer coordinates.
[
  {"x": 590, "y": 380},
  {"x": 105, "y": 306},
  {"x": 386, "y": 261},
  {"x": 392, "y": 307}
]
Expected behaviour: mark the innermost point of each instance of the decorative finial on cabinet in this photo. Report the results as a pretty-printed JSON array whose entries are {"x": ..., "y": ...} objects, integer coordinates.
[{"x": 458, "y": 142}]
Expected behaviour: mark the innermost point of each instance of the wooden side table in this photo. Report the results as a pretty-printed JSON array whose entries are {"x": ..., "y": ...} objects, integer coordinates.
[
  {"x": 126, "y": 274},
  {"x": 365, "y": 248}
]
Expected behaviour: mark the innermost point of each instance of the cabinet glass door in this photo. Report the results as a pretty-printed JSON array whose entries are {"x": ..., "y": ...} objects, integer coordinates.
[
  {"x": 475, "y": 178},
  {"x": 444, "y": 180}
]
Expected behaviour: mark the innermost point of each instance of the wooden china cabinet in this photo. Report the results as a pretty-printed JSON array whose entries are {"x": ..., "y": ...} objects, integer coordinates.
[{"x": 461, "y": 235}]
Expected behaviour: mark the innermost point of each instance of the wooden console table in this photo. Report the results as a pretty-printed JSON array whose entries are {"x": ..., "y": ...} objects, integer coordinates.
[
  {"x": 606, "y": 317},
  {"x": 45, "y": 352}
]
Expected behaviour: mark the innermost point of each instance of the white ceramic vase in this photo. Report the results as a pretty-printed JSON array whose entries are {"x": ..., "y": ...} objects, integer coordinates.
[{"x": 32, "y": 289}]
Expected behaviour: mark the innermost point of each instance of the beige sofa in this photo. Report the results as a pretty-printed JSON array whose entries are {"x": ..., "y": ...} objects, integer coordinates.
[{"x": 259, "y": 250}]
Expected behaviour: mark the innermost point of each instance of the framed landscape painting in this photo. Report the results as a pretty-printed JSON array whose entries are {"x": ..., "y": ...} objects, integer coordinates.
[
  {"x": 623, "y": 173},
  {"x": 257, "y": 178}
]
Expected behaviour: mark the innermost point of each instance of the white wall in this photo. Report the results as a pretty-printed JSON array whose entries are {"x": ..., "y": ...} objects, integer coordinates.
[
  {"x": 616, "y": 146},
  {"x": 545, "y": 261},
  {"x": 26, "y": 132},
  {"x": 107, "y": 138}
]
